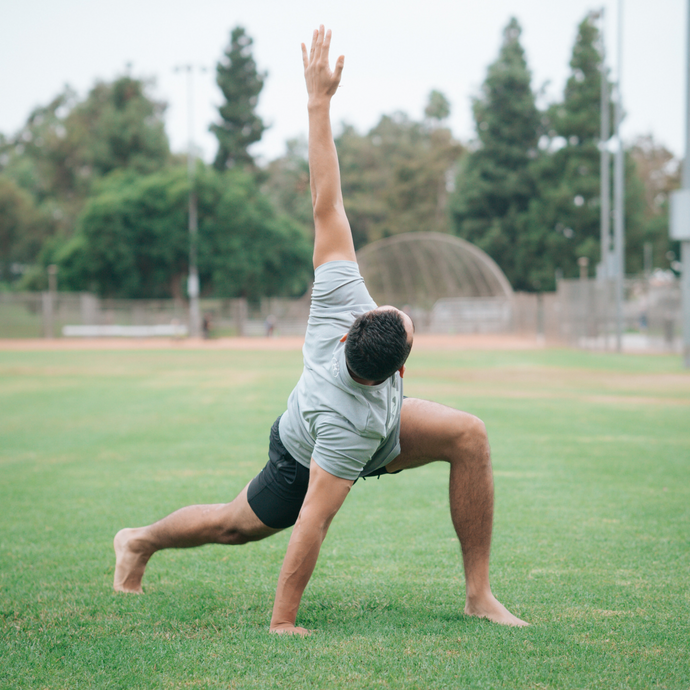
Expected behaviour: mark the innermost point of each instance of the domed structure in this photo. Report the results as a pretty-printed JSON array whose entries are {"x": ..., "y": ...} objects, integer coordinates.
[{"x": 420, "y": 268}]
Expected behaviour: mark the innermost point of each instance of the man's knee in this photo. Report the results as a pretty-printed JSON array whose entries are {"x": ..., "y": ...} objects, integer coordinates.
[{"x": 469, "y": 434}]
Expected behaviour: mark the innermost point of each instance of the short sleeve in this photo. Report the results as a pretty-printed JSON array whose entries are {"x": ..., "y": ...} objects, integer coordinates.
[
  {"x": 338, "y": 286},
  {"x": 340, "y": 450}
]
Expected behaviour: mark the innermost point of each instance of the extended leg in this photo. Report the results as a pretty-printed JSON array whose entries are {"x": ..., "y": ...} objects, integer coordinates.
[
  {"x": 431, "y": 432},
  {"x": 221, "y": 523}
]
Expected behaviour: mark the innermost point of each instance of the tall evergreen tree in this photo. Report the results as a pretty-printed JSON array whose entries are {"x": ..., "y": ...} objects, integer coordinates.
[
  {"x": 241, "y": 84},
  {"x": 564, "y": 218},
  {"x": 495, "y": 182}
]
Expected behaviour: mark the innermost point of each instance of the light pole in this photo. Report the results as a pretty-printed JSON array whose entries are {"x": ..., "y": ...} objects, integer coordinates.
[
  {"x": 619, "y": 192},
  {"x": 604, "y": 268},
  {"x": 605, "y": 169},
  {"x": 680, "y": 212},
  {"x": 193, "y": 279}
]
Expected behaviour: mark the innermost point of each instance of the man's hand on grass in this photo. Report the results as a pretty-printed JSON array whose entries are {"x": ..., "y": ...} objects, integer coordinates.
[{"x": 322, "y": 83}]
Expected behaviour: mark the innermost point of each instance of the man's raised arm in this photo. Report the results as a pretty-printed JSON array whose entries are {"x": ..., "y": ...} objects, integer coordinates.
[{"x": 333, "y": 237}]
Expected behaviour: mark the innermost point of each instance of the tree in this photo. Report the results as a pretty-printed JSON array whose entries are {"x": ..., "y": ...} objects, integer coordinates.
[
  {"x": 66, "y": 147},
  {"x": 132, "y": 239},
  {"x": 659, "y": 174},
  {"x": 287, "y": 184},
  {"x": 241, "y": 85},
  {"x": 118, "y": 127},
  {"x": 40, "y": 157},
  {"x": 22, "y": 230},
  {"x": 395, "y": 177},
  {"x": 563, "y": 222},
  {"x": 564, "y": 218},
  {"x": 438, "y": 107},
  {"x": 495, "y": 182}
]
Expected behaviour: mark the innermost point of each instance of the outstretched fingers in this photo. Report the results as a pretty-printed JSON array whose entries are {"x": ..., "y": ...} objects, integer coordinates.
[
  {"x": 337, "y": 72},
  {"x": 314, "y": 39},
  {"x": 321, "y": 81},
  {"x": 325, "y": 46},
  {"x": 318, "y": 43}
]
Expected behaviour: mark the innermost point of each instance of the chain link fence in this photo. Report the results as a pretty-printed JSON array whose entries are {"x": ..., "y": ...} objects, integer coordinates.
[
  {"x": 652, "y": 319},
  {"x": 38, "y": 315},
  {"x": 580, "y": 314}
]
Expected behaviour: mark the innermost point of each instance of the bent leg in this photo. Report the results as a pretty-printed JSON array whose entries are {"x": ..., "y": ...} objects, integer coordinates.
[
  {"x": 430, "y": 432},
  {"x": 221, "y": 523}
]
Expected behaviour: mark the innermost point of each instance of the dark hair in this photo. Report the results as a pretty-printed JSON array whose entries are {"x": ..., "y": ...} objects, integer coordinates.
[{"x": 377, "y": 345}]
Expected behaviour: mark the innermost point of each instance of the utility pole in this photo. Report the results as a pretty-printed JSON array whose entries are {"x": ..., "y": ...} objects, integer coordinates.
[
  {"x": 193, "y": 279},
  {"x": 605, "y": 184},
  {"x": 680, "y": 211},
  {"x": 604, "y": 273},
  {"x": 619, "y": 192}
]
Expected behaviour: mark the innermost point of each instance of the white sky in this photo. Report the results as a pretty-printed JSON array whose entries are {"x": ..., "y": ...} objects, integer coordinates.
[{"x": 396, "y": 51}]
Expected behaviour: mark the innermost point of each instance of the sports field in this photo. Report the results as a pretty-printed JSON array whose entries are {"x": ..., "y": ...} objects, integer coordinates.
[{"x": 591, "y": 459}]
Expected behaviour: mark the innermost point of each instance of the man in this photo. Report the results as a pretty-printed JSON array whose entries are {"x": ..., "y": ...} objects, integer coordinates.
[{"x": 345, "y": 419}]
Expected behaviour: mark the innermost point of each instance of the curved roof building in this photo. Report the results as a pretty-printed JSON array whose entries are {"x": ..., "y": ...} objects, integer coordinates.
[{"x": 420, "y": 268}]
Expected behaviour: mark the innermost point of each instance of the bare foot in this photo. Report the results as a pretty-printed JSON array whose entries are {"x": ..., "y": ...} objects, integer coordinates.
[
  {"x": 492, "y": 609},
  {"x": 290, "y": 630},
  {"x": 129, "y": 562}
]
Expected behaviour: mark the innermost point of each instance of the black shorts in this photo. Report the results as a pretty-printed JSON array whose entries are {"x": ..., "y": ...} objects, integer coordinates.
[{"x": 276, "y": 494}]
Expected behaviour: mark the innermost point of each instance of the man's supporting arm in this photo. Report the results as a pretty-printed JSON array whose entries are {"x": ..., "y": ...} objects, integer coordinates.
[
  {"x": 325, "y": 495},
  {"x": 333, "y": 237}
]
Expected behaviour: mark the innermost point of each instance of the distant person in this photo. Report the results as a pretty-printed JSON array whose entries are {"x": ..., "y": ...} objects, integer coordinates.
[
  {"x": 345, "y": 419},
  {"x": 206, "y": 327},
  {"x": 270, "y": 325}
]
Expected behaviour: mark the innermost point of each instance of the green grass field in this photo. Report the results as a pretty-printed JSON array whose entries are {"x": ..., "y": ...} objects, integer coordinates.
[{"x": 591, "y": 542}]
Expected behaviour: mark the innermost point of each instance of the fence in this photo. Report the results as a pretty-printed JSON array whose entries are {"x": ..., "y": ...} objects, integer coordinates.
[
  {"x": 35, "y": 315},
  {"x": 581, "y": 313},
  {"x": 651, "y": 314}
]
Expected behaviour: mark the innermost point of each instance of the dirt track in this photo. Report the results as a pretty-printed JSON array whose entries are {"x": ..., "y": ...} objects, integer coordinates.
[{"x": 422, "y": 342}]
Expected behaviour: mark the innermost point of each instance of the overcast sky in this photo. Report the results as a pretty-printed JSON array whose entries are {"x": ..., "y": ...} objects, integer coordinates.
[{"x": 396, "y": 51}]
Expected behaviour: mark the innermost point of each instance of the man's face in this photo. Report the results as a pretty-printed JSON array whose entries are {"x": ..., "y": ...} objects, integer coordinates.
[{"x": 409, "y": 325}]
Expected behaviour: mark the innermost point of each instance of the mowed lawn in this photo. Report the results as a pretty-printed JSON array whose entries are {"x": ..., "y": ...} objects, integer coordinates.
[{"x": 591, "y": 544}]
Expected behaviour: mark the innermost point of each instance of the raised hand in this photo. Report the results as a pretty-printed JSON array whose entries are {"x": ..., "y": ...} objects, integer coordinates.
[{"x": 322, "y": 83}]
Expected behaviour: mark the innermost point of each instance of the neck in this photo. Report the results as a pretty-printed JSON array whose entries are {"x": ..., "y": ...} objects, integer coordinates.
[{"x": 364, "y": 382}]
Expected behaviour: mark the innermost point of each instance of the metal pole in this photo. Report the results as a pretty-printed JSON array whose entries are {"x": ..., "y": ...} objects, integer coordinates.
[
  {"x": 619, "y": 193},
  {"x": 685, "y": 244},
  {"x": 193, "y": 284},
  {"x": 193, "y": 279},
  {"x": 605, "y": 182},
  {"x": 605, "y": 163}
]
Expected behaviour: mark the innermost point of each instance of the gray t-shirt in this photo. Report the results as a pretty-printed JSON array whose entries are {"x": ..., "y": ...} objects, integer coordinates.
[{"x": 349, "y": 429}]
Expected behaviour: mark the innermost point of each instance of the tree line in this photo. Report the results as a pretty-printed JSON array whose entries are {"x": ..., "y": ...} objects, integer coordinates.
[{"x": 92, "y": 186}]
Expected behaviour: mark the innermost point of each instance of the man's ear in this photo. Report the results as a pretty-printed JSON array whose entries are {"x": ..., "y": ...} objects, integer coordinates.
[
  {"x": 344, "y": 338},
  {"x": 401, "y": 371}
]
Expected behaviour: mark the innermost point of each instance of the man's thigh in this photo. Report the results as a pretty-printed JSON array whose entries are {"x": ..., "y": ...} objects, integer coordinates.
[{"x": 429, "y": 432}]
